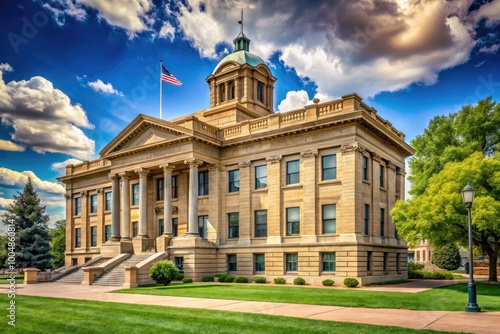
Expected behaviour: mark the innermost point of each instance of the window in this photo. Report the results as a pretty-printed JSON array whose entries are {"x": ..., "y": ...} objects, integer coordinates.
[
  {"x": 329, "y": 212},
  {"x": 134, "y": 229},
  {"x": 161, "y": 226},
  {"x": 159, "y": 189},
  {"x": 260, "y": 177},
  {"x": 292, "y": 221},
  {"x": 93, "y": 203},
  {"x": 367, "y": 219},
  {"x": 234, "y": 181},
  {"x": 292, "y": 262},
  {"x": 259, "y": 262},
  {"x": 231, "y": 262},
  {"x": 423, "y": 255},
  {"x": 369, "y": 261},
  {"x": 222, "y": 92},
  {"x": 382, "y": 171},
  {"x": 108, "y": 200},
  {"x": 234, "y": 224},
  {"x": 382, "y": 222},
  {"x": 202, "y": 226},
  {"x": 329, "y": 163},
  {"x": 260, "y": 91},
  {"x": 328, "y": 262},
  {"x": 175, "y": 186},
  {"x": 386, "y": 260},
  {"x": 78, "y": 237},
  {"x": 179, "y": 263},
  {"x": 203, "y": 183},
  {"x": 292, "y": 172},
  {"x": 365, "y": 169},
  {"x": 93, "y": 236},
  {"x": 107, "y": 232},
  {"x": 135, "y": 194},
  {"x": 78, "y": 206},
  {"x": 398, "y": 265},
  {"x": 260, "y": 223},
  {"x": 231, "y": 90},
  {"x": 175, "y": 226}
]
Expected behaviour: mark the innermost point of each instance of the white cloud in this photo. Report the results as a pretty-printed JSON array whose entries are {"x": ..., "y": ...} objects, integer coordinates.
[
  {"x": 106, "y": 88},
  {"x": 6, "y": 145},
  {"x": 167, "y": 31},
  {"x": 62, "y": 8},
  {"x": 298, "y": 99},
  {"x": 491, "y": 12},
  {"x": 11, "y": 177},
  {"x": 490, "y": 49},
  {"x": 61, "y": 166},
  {"x": 5, "y": 202},
  {"x": 44, "y": 118},
  {"x": 4, "y": 67}
]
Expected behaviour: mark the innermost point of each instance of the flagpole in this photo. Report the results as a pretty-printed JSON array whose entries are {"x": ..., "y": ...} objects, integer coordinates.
[{"x": 160, "y": 92}]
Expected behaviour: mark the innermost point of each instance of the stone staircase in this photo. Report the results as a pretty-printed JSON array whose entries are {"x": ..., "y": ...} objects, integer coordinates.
[
  {"x": 76, "y": 277},
  {"x": 116, "y": 275}
]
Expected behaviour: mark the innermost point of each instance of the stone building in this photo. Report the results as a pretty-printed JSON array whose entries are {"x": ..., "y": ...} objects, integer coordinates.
[{"x": 242, "y": 189}]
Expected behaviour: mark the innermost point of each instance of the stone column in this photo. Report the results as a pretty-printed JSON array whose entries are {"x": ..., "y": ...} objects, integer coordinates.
[
  {"x": 193, "y": 196},
  {"x": 125, "y": 207},
  {"x": 391, "y": 197},
  {"x": 375, "y": 205},
  {"x": 214, "y": 200},
  {"x": 143, "y": 201},
  {"x": 167, "y": 198},
  {"x": 84, "y": 220},
  {"x": 115, "y": 207},
  {"x": 274, "y": 228},
  {"x": 309, "y": 213},
  {"x": 245, "y": 213}
]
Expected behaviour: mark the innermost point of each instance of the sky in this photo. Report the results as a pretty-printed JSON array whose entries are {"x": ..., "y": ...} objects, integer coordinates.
[{"x": 74, "y": 73}]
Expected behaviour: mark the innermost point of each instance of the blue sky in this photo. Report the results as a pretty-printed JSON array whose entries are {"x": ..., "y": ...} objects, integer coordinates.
[{"x": 75, "y": 72}]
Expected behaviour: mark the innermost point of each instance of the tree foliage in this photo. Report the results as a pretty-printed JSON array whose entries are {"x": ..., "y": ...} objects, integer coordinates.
[
  {"x": 3, "y": 251},
  {"x": 447, "y": 257},
  {"x": 163, "y": 272},
  {"x": 58, "y": 243}
]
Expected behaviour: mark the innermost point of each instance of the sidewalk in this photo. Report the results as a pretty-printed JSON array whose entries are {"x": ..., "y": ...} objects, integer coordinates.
[{"x": 485, "y": 323}]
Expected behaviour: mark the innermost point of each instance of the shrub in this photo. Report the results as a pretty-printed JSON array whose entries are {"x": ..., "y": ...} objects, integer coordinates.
[
  {"x": 260, "y": 279},
  {"x": 299, "y": 281},
  {"x": 416, "y": 274},
  {"x": 163, "y": 272},
  {"x": 328, "y": 282},
  {"x": 229, "y": 279},
  {"x": 412, "y": 266},
  {"x": 447, "y": 257},
  {"x": 423, "y": 274},
  {"x": 178, "y": 276},
  {"x": 207, "y": 279},
  {"x": 222, "y": 277},
  {"x": 351, "y": 282},
  {"x": 241, "y": 279},
  {"x": 217, "y": 275},
  {"x": 279, "y": 280},
  {"x": 187, "y": 280}
]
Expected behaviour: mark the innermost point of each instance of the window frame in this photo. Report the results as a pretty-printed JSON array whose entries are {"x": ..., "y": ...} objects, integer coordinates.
[
  {"x": 292, "y": 265},
  {"x": 135, "y": 194},
  {"x": 203, "y": 230},
  {"x": 290, "y": 176},
  {"x": 382, "y": 176},
  {"x": 290, "y": 224},
  {"x": 78, "y": 237},
  {"x": 382, "y": 222},
  {"x": 325, "y": 263},
  {"x": 94, "y": 203},
  {"x": 261, "y": 91},
  {"x": 325, "y": 170},
  {"x": 259, "y": 184},
  {"x": 107, "y": 232},
  {"x": 234, "y": 180},
  {"x": 93, "y": 236},
  {"x": 203, "y": 183},
  {"x": 78, "y": 206},
  {"x": 160, "y": 186},
  {"x": 232, "y": 262},
  {"x": 329, "y": 220},
  {"x": 175, "y": 226},
  {"x": 108, "y": 201},
  {"x": 161, "y": 226},
  {"x": 233, "y": 225},
  {"x": 257, "y": 223},
  {"x": 259, "y": 264},
  {"x": 366, "y": 171},
  {"x": 135, "y": 229},
  {"x": 366, "y": 220},
  {"x": 175, "y": 186}
]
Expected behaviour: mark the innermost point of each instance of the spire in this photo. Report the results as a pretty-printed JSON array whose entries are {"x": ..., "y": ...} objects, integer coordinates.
[{"x": 241, "y": 42}]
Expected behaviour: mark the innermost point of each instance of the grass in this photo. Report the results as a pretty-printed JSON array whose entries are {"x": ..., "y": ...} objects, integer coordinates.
[
  {"x": 4, "y": 279},
  {"x": 53, "y": 315},
  {"x": 446, "y": 298}
]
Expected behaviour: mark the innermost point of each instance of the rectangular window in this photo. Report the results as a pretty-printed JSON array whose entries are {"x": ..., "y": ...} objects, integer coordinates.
[
  {"x": 93, "y": 203},
  {"x": 386, "y": 260},
  {"x": 260, "y": 177},
  {"x": 292, "y": 172},
  {"x": 260, "y": 223},
  {"x": 367, "y": 219},
  {"x": 134, "y": 229},
  {"x": 234, "y": 224},
  {"x": 329, "y": 165},
  {"x": 107, "y": 232},
  {"x": 175, "y": 186},
  {"x": 202, "y": 226},
  {"x": 369, "y": 261},
  {"x": 135, "y": 194},
  {"x": 292, "y": 221},
  {"x": 78, "y": 237},
  {"x": 328, "y": 261},
  {"x": 108, "y": 200},
  {"x": 179, "y": 263},
  {"x": 159, "y": 189},
  {"x": 382, "y": 171},
  {"x": 232, "y": 262},
  {"x": 260, "y": 91},
  {"x": 78, "y": 206},
  {"x": 259, "y": 262},
  {"x": 234, "y": 181},
  {"x": 231, "y": 90},
  {"x": 222, "y": 92},
  {"x": 329, "y": 213},
  {"x": 203, "y": 183},
  {"x": 382, "y": 222},
  {"x": 161, "y": 226},
  {"x": 292, "y": 262},
  {"x": 175, "y": 226},
  {"x": 365, "y": 169},
  {"x": 93, "y": 236}
]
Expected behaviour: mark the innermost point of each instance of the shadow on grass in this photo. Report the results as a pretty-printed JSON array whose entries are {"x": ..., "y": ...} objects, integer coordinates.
[{"x": 482, "y": 288}]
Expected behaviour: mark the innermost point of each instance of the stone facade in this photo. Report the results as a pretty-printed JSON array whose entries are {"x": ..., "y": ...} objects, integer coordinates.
[{"x": 239, "y": 188}]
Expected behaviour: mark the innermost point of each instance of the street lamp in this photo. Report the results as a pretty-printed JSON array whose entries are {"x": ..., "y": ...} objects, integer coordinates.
[{"x": 468, "y": 198}]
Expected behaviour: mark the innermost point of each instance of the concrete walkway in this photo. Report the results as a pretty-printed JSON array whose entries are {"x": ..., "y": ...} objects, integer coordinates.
[{"x": 437, "y": 320}]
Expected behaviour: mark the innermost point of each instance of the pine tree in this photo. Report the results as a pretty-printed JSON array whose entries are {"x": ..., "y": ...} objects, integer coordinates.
[{"x": 30, "y": 221}]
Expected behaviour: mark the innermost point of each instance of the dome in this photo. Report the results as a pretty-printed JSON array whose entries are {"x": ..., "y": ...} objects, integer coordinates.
[{"x": 241, "y": 57}]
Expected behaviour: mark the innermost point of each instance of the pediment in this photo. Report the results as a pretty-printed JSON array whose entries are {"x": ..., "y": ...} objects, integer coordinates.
[{"x": 148, "y": 136}]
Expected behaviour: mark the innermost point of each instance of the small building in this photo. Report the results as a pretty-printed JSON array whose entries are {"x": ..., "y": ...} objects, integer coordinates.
[{"x": 243, "y": 189}]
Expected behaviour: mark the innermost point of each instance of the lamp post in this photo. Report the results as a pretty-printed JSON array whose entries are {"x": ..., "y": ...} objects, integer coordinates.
[{"x": 468, "y": 198}]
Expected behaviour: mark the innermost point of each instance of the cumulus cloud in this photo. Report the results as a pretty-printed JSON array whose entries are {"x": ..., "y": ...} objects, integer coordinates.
[
  {"x": 106, "y": 88},
  {"x": 491, "y": 12},
  {"x": 5, "y": 202},
  {"x": 4, "y": 67},
  {"x": 11, "y": 177},
  {"x": 62, "y": 8},
  {"x": 167, "y": 31},
  {"x": 298, "y": 99},
  {"x": 61, "y": 166},
  {"x": 6, "y": 145},
  {"x": 44, "y": 118}
]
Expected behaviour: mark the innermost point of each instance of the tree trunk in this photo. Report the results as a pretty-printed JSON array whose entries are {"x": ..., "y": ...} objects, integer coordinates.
[{"x": 493, "y": 268}]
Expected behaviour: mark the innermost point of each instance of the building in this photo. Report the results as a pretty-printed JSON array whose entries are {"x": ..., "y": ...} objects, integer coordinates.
[{"x": 242, "y": 189}]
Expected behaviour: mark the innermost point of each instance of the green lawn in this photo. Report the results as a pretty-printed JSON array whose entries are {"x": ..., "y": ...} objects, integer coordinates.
[
  {"x": 447, "y": 298},
  {"x": 53, "y": 315},
  {"x": 4, "y": 279}
]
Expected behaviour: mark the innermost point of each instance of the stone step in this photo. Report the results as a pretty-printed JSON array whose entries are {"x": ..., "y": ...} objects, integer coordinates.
[{"x": 116, "y": 275}]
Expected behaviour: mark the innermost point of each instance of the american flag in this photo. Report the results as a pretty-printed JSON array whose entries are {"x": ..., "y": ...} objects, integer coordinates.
[{"x": 169, "y": 77}]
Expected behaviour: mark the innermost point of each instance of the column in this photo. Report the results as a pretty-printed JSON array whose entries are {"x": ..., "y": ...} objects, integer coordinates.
[
  {"x": 115, "y": 207},
  {"x": 391, "y": 197},
  {"x": 193, "y": 196},
  {"x": 245, "y": 199},
  {"x": 214, "y": 200},
  {"x": 143, "y": 201},
  {"x": 274, "y": 229},
  {"x": 167, "y": 198},
  {"x": 84, "y": 220},
  {"x": 375, "y": 205},
  {"x": 309, "y": 214},
  {"x": 125, "y": 207}
]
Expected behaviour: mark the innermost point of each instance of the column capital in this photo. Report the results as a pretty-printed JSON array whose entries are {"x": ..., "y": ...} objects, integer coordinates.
[
  {"x": 114, "y": 176},
  {"x": 244, "y": 164},
  {"x": 124, "y": 175},
  {"x": 274, "y": 159},
  {"x": 142, "y": 172},
  {"x": 215, "y": 167},
  {"x": 375, "y": 157},
  {"x": 193, "y": 162},
  {"x": 85, "y": 193},
  {"x": 309, "y": 153},
  {"x": 68, "y": 197},
  {"x": 100, "y": 190},
  {"x": 400, "y": 171},
  {"x": 353, "y": 147},
  {"x": 391, "y": 165},
  {"x": 167, "y": 168}
]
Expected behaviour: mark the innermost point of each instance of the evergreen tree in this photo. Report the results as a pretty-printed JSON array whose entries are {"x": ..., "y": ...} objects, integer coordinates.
[
  {"x": 3, "y": 251},
  {"x": 58, "y": 243},
  {"x": 32, "y": 237},
  {"x": 447, "y": 257}
]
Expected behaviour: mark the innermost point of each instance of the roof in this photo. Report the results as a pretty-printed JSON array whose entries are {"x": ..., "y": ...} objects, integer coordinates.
[{"x": 241, "y": 57}]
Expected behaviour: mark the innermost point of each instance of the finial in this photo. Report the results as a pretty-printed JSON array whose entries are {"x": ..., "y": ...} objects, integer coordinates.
[{"x": 240, "y": 21}]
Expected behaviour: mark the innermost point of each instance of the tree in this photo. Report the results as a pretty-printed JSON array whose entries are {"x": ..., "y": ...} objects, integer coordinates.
[
  {"x": 447, "y": 257},
  {"x": 163, "y": 272},
  {"x": 3, "y": 251},
  {"x": 58, "y": 243},
  {"x": 32, "y": 238}
]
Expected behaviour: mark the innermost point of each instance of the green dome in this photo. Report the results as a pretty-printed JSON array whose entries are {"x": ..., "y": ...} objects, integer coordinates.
[{"x": 241, "y": 57}]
